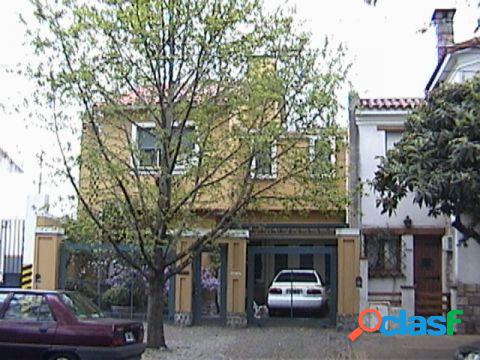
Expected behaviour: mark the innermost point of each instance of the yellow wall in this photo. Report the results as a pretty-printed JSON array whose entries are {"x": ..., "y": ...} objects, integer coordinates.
[{"x": 95, "y": 184}]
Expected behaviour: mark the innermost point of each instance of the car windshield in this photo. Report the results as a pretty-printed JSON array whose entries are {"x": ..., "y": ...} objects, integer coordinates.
[
  {"x": 82, "y": 307},
  {"x": 3, "y": 296},
  {"x": 297, "y": 277}
]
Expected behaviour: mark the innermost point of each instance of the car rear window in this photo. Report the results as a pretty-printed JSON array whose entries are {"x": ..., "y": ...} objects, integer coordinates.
[
  {"x": 297, "y": 277},
  {"x": 82, "y": 307}
]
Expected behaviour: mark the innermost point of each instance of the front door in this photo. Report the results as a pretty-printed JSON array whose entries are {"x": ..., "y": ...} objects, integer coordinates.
[{"x": 428, "y": 275}]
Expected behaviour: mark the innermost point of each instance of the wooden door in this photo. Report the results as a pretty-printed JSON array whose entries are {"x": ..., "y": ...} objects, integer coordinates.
[{"x": 428, "y": 275}]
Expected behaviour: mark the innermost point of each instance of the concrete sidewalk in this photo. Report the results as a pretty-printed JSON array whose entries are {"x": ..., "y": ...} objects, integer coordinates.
[
  {"x": 279, "y": 342},
  {"x": 376, "y": 346}
]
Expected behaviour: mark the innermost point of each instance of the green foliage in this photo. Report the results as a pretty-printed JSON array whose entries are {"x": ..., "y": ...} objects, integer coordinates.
[
  {"x": 116, "y": 296},
  {"x": 438, "y": 157}
]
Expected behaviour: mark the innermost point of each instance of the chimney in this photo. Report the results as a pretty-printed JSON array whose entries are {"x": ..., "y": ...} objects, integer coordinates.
[{"x": 443, "y": 21}]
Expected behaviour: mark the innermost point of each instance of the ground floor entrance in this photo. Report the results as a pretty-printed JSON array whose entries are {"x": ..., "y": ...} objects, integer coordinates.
[
  {"x": 288, "y": 284},
  {"x": 210, "y": 286},
  {"x": 306, "y": 271},
  {"x": 428, "y": 275}
]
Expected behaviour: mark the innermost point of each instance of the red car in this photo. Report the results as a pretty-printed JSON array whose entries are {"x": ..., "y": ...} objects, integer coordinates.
[{"x": 54, "y": 325}]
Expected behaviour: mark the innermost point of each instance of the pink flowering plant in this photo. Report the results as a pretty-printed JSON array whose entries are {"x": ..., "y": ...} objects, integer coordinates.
[{"x": 209, "y": 280}]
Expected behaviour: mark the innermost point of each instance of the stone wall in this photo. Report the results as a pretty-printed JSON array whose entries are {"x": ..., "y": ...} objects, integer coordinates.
[{"x": 468, "y": 300}]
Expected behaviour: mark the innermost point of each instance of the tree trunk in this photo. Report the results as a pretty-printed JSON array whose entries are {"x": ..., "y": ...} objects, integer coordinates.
[{"x": 156, "y": 297}]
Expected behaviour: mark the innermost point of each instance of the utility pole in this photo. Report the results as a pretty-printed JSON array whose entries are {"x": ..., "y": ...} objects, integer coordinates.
[{"x": 42, "y": 153}]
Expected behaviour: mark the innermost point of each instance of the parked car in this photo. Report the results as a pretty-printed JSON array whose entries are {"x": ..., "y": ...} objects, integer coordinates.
[
  {"x": 54, "y": 325},
  {"x": 297, "y": 289},
  {"x": 468, "y": 352}
]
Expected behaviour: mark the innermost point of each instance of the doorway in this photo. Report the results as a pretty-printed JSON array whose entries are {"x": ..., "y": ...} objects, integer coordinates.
[
  {"x": 210, "y": 286},
  {"x": 428, "y": 275},
  {"x": 308, "y": 260}
]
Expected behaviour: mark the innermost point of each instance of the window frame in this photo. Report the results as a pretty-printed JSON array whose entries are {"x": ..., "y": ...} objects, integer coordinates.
[
  {"x": 6, "y": 307},
  {"x": 387, "y": 142},
  {"x": 273, "y": 159},
  {"x": 180, "y": 168},
  {"x": 381, "y": 270},
  {"x": 312, "y": 154}
]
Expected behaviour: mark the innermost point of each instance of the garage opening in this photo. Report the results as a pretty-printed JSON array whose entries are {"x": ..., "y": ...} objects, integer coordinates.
[{"x": 292, "y": 284}]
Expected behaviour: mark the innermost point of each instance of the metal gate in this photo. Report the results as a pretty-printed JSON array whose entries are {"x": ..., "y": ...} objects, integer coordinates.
[
  {"x": 12, "y": 237},
  {"x": 330, "y": 253},
  {"x": 210, "y": 286},
  {"x": 94, "y": 269}
]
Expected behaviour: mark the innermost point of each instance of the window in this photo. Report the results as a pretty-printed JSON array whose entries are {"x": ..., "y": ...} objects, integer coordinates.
[
  {"x": 28, "y": 307},
  {"x": 148, "y": 146},
  {"x": 81, "y": 307},
  {"x": 3, "y": 297},
  {"x": 297, "y": 277},
  {"x": 384, "y": 253},
  {"x": 148, "y": 154},
  {"x": 264, "y": 164},
  {"x": 391, "y": 138},
  {"x": 188, "y": 148},
  {"x": 322, "y": 156}
]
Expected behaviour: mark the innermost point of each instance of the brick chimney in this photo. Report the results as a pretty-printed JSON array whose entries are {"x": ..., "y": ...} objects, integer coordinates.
[{"x": 443, "y": 21}]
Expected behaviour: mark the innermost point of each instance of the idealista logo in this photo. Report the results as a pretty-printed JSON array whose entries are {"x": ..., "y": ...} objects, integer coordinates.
[{"x": 415, "y": 326}]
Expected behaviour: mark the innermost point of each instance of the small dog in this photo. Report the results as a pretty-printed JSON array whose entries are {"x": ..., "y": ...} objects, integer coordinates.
[{"x": 260, "y": 313}]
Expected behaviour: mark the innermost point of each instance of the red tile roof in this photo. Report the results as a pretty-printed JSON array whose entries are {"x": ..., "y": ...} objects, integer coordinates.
[
  {"x": 389, "y": 103},
  {"x": 464, "y": 45},
  {"x": 474, "y": 42}
]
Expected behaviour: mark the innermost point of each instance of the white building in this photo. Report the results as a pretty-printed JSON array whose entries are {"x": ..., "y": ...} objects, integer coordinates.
[
  {"x": 17, "y": 204},
  {"x": 13, "y": 197},
  {"x": 458, "y": 62},
  {"x": 411, "y": 260},
  {"x": 402, "y": 263}
]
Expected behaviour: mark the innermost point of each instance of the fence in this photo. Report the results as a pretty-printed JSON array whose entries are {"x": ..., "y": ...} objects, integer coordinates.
[
  {"x": 12, "y": 237},
  {"x": 98, "y": 272}
]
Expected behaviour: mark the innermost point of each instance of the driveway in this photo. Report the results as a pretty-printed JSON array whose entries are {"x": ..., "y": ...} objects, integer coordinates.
[{"x": 209, "y": 342}]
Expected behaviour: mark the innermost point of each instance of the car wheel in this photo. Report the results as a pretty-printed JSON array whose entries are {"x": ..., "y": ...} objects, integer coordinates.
[{"x": 63, "y": 356}]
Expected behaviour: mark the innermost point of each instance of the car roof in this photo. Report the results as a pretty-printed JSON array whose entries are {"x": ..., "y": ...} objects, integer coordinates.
[
  {"x": 30, "y": 291},
  {"x": 310, "y": 271}
]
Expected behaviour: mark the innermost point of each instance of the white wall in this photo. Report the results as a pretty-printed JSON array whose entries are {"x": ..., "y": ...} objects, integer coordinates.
[
  {"x": 372, "y": 143},
  {"x": 462, "y": 66},
  {"x": 15, "y": 203},
  {"x": 13, "y": 196}
]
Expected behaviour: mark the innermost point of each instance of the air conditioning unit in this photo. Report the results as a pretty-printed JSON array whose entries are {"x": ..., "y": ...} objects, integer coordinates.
[{"x": 447, "y": 243}]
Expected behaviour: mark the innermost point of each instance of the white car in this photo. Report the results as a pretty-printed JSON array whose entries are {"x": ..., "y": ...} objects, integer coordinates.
[{"x": 297, "y": 289}]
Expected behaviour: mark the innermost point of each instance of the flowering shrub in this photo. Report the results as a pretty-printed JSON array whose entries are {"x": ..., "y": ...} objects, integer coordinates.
[
  {"x": 209, "y": 281},
  {"x": 121, "y": 275}
]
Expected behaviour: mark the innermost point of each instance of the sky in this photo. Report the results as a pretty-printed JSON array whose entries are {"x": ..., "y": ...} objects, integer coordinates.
[{"x": 390, "y": 55}]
